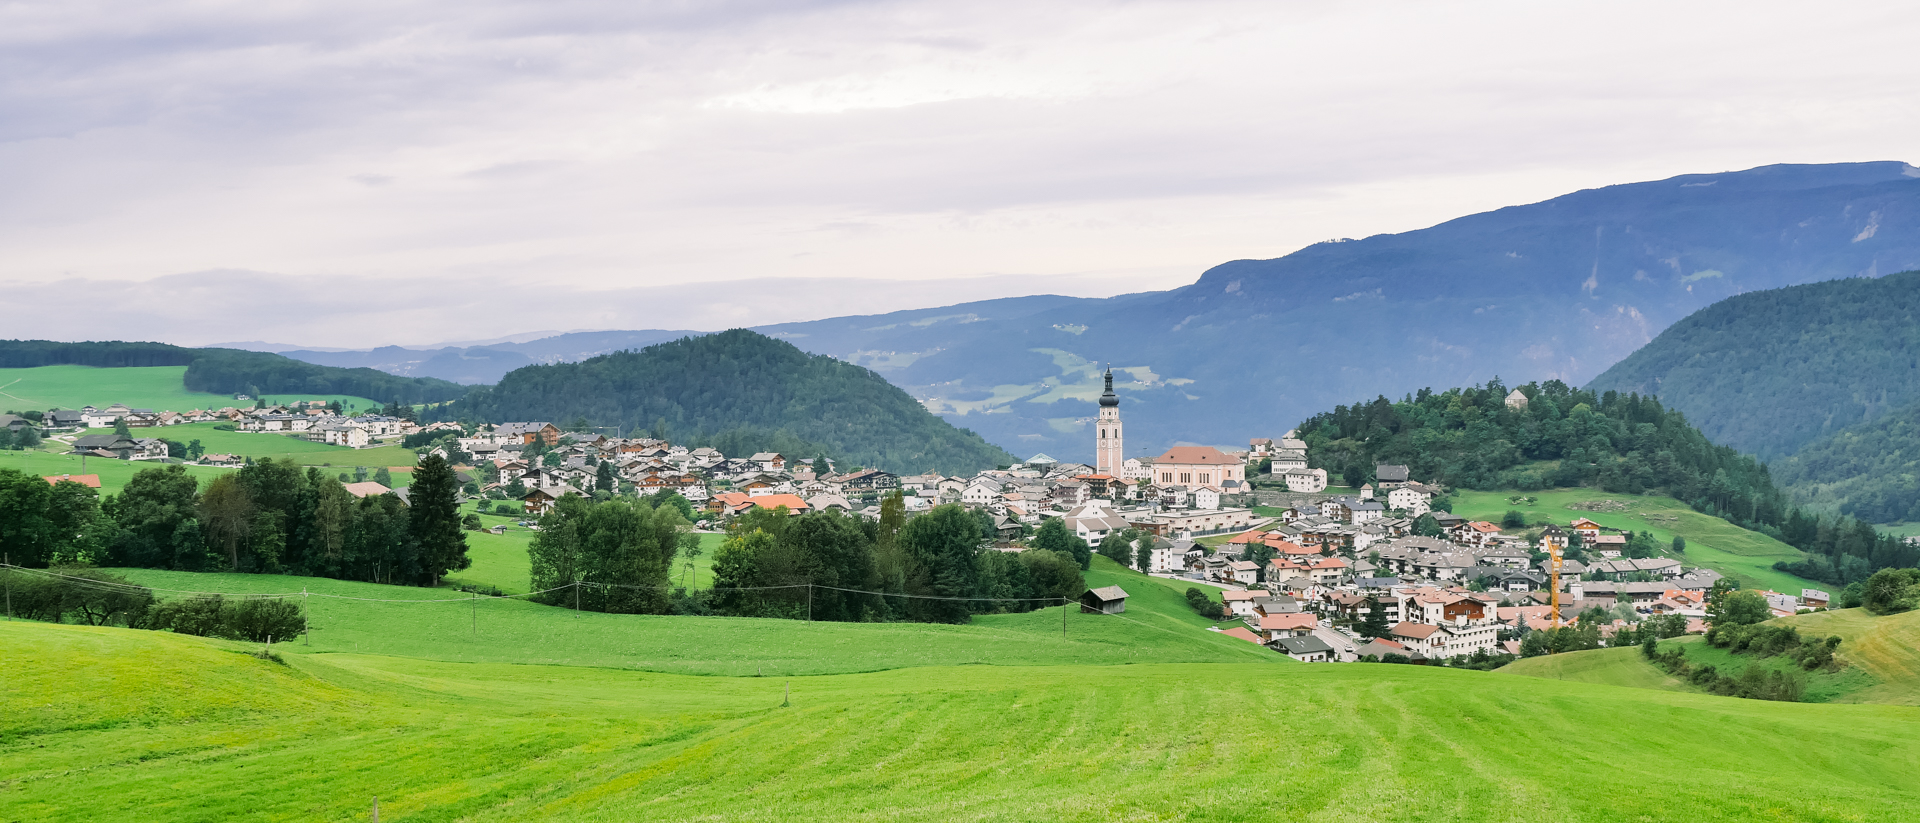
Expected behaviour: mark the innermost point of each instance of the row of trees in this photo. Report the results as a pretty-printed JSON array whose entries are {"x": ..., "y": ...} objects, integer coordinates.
[
  {"x": 93, "y": 597},
  {"x": 270, "y": 516},
  {"x": 1563, "y": 437}
]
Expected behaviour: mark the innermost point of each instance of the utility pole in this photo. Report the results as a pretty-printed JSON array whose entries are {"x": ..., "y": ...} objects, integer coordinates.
[
  {"x": 8, "y": 560},
  {"x": 376, "y": 808},
  {"x": 809, "y": 602},
  {"x": 1063, "y": 618},
  {"x": 306, "y": 636},
  {"x": 576, "y": 597}
]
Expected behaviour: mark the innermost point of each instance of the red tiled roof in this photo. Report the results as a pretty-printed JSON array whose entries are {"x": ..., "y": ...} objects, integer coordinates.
[
  {"x": 1416, "y": 630},
  {"x": 88, "y": 480},
  {"x": 1243, "y": 634},
  {"x": 1203, "y": 455},
  {"x": 1283, "y": 622}
]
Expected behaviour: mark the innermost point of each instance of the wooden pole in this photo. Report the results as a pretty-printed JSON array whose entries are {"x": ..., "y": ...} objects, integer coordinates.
[
  {"x": 376, "y": 808},
  {"x": 809, "y": 602},
  {"x": 1063, "y": 618},
  {"x": 306, "y": 635}
]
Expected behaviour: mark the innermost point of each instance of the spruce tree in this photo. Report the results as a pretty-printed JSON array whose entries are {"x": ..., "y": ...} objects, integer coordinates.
[
  {"x": 1375, "y": 624},
  {"x": 433, "y": 519}
]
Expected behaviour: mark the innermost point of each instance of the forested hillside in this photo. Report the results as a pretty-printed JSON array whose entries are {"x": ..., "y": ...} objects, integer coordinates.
[
  {"x": 231, "y": 371},
  {"x": 1617, "y": 442},
  {"x": 741, "y": 392},
  {"x": 1870, "y": 471},
  {"x": 1770, "y": 371}
]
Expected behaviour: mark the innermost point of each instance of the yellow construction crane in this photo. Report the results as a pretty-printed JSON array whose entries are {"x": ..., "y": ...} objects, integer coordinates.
[{"x": 1555, "y": 540}]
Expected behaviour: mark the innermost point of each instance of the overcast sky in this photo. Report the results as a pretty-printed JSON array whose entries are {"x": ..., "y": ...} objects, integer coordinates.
[{"x": 364, "y": 173}]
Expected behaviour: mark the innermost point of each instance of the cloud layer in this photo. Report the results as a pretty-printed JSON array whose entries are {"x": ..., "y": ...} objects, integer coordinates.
[{"x": 363, "y": 173}]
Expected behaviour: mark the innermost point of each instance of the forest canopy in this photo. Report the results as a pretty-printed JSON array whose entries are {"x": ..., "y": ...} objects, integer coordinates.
[{"x": 740, "y": 392}]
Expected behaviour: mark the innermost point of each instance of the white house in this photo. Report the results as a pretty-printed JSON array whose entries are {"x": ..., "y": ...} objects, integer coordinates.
[
  {"x": 1307, "y": 481},
  {"x": 980, "y": 494},
  {"x": 1206, "y": 497},
  {"x": 1410, "y": 500}
]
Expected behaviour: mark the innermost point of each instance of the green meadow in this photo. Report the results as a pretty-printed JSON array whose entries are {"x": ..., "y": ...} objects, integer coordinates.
[
  {"x": 441, "y": 624},
  {"x": 1746, "y": 556},
  {"x": 160, "y": 388},
  {"x": 114, "y": 474},
  {"x": 114, "y": 724},
  {"x": 279, "y": 447}
]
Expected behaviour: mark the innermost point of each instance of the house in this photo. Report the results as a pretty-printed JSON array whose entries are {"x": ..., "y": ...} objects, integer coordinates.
[
  {"x": 1308, "y": 649},
  {"x": 527, "y": 433},
  {"x": 823, "y": 502},
  {"x": 1240, "y": 603},
  {"x": 149, "y": 448},
  {"x": 1197, "y": 465},
  {"x": 1390, "y": 476},
  {"x": 1444, "y": 641},
  {"x": 366, "y": 488},
  {"x": 1104, "y": 600},
  {"x": 64, "y": 419},
  {"x": 1307, "y": 481},
  {"x": 91, "y": 481},
  {"x": 1276, "y": 626},
  {"x": 540, "y": 499},
  {"x": 116, "y": 445},
  {"x": 221, "y": 460},
  {"x": 1588, "y": 529},
  {"x": 1380, "y": 648},
  {"x": 1813, "y": 599},
  {"x": 1414, "y": 501},
  {"x": 770, "y": 461},
  {"x": 1245, "y": 572}
]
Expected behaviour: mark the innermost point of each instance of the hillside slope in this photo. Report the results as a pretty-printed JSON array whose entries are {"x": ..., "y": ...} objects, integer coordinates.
[
  {"x": 1870, "y": 471},
  {"x": 318, "y": 738},
  {"x": 1767, "y": 372},
  {"x": 741, "y": 392}
]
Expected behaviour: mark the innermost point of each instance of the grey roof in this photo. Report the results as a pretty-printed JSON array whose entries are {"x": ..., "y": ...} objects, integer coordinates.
[
  {"x": 1108, "y": 593},
  {"x": 1388, "y": 473},
  {"x": 1303, "y": 645}
]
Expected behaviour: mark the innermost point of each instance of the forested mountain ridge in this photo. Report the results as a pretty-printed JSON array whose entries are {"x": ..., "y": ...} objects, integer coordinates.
[
  {"x": 1870, "y": 471},
  {"x": 1558, "y": 289},
  {"x": 1565, "y": 437},
  {"x": 741, "y": 392},
  {"x": 1768, "y": 372},
  {"x": 231, "y": 371}
]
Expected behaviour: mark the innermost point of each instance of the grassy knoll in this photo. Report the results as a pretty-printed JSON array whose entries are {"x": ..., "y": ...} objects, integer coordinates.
[
  {"x": 142, "y": 387},
  {"x": 1886, "y": 648},
  {"x": 114, "y": 474},
  {"x": 1608, "y": 667},
  {"x": 1841, "y": 685},
  {"x": 1744, "y": 555},
  {"x": 123, "y": 725},
  {"x": 1158, "y": 626}
]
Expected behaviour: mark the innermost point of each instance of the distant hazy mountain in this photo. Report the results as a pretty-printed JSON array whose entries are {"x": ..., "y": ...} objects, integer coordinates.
[
  {"x": 481, "y": 363},
  {"x": 1558, "y": 289},
  {"x": 741, "y": 392},
  {"x": 1769, "y": 371}
]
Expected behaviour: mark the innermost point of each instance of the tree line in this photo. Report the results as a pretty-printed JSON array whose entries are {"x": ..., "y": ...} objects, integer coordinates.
[
  {"x": 95, "y": 597},
  {"x": 618, "y": 555},
  {"x": 231, "y": 371},
  {"x": 1567, "y": 437},
  {"x": 268, "y": 517}
]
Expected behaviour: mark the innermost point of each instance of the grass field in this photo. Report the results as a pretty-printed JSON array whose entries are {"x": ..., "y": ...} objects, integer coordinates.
[
  {"x": 114, "y": 724},
  {"x": 114, "y": 474},
  {"x": 1714, "y": 543},
  {"x": 277, "y": 446},
  {"x": 146, "y": 387},
  {"x": 1158, "y": 626},
  {"x": 1886, "y": 648},
  {"x": 1607, "y": 667}
]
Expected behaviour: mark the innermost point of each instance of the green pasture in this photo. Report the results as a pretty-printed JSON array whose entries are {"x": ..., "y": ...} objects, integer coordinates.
[
  {"x": 1608, "y": 667},
  {"x": 278, "y": 446},
  {"x": 114, "y": 474},
  {"x": 160, "y": 388},
  {"x": 114, "y": 724},
  {"x": 396, "y": 620},
  {"x": 1746, "y": 556}
]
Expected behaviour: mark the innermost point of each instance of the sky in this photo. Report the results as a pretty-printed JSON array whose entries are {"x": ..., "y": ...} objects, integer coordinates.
[{"x": 353, "y": 174}]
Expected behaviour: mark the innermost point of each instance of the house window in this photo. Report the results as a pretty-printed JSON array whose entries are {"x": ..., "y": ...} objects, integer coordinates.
[{"x": 1203, "y": 478}]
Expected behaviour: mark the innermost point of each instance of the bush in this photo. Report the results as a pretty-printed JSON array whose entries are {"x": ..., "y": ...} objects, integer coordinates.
[
  {"x": 1890, "y": 591},
  {"x": 210, "y": 615},
  {"x": 1513, "y": 519},
  {"x": 1200, "y": 602}
]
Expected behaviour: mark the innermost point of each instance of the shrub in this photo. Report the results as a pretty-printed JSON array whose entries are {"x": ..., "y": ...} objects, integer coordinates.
[{"x": 1205, "y": 605}]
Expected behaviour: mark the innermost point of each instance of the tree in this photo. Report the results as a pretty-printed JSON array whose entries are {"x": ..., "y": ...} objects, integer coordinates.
[
  {"x": 820, "y": 466},
  {"x": 25, "y": 529},
  {"x": 1375, "y": 623},
  {"x": 1052, "y": 574},
  {"x": 383, "y": 477},
  {"x": 1426, "y": 526},
  {"x": 1890, "y": 591},
  {"x": 1143, "y": 553},
  {"x": 1053, "y": 536},
  {"x": 27, "y": 438},
  {"x": 1679, "y": 544},
  {"x": 120, "y": 427},
  {"x": 1737, "y": 607},
  {"x": 433, "y": 520},
  {"x": 1513, "y": 519},
  {"x": 226, "y": 515},
  {"x": 941, "y": 545},
  {"x": 603, "y": 477},
  {"x": 1116, "y": 547}
]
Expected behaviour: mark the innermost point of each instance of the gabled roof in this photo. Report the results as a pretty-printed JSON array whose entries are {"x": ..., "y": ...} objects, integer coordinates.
[
  {"x": 1303, "y": 645},
  {"x": 1287, "y": 622},
  {"x": 1418, "y": 631},
  {"x": 88, "y": 480},
  {"x": 1242, "y": 633},
  {"x": 1202, "y": 455},
  {"x": 1108, "y": 593}
]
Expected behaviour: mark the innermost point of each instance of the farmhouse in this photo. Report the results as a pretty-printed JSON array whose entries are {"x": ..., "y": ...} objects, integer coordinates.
[{"x": 1104, "y": 600}]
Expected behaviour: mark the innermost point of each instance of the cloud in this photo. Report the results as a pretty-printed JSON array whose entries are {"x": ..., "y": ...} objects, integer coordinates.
[{"x": 591, "y": 146}]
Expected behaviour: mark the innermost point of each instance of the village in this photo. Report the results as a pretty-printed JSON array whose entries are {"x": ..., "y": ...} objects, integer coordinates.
[{"x": 1298, "y": 569}]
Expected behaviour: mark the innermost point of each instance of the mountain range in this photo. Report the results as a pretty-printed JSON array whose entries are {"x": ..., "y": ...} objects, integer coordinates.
[{"x": 1558, "y": 289}]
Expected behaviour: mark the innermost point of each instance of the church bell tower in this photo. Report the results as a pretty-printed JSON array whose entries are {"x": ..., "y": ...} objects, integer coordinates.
[{"x": 1107, "y": 453}]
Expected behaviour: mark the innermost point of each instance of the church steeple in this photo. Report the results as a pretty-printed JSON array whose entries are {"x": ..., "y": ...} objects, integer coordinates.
[{"x": 1108, "y": 454}]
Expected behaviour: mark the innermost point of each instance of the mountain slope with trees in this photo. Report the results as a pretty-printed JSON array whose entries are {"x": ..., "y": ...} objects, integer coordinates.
[
  {"x": 740, "y": 392},
  {"x": 1870, "y": 471},
  {"x": 1566, "y": 437},
  {"x": 1769, "y": 372},
  {"x": 232, "y": 371}
]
